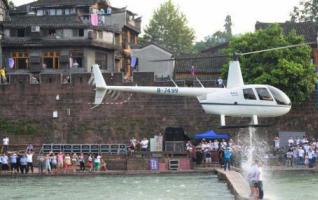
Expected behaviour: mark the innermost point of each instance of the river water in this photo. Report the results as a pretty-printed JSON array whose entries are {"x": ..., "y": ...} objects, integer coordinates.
[
  {"x": 172, "y": 187},
  {"x": 291, "y": 186}
]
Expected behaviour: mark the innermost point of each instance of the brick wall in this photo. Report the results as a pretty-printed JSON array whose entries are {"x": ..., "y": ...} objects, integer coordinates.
[{"x": 142, "y": 115}]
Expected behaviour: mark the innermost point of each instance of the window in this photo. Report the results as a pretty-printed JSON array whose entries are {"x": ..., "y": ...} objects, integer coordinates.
[
  {"x": 249, "y": 94},
  {"x": 21, "y": 32},
  {"x": 52, "y": 32},
  {"x": 279, "y": 96},
  {"x": 39, "y": 12},
  {"x": 13, "y": 32},
  {"x": 52, "y": 12},
  {"x": 67, "y": 11},
  {"x": 78, "y": 33},
  {"x": 77, "y": 56},
  {"x": 101, "y": 59},
  {"x": 21, "y": 59},
  {"x": 72, "y": 11},
  {"x": 100, "y": 35},
  {"x": 81, "y": 32},
  {"x": 59, "y": 12},
  {"x": 263, "y": 94},
  {"x": 50, "y": 60}
]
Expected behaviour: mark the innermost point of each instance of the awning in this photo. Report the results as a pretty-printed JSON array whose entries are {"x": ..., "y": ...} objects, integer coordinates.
[{"x": 211, "y": 135}]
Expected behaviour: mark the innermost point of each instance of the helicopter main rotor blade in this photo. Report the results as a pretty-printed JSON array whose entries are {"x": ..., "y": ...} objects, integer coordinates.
[
  {"x": 276, "y": 48},
  {"x": 191, "y": 58},
  {"x": 236, "y": 55}
]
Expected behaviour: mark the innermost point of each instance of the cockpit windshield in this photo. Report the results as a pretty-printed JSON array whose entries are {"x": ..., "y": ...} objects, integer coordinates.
[{"x": 280, "y": 97}]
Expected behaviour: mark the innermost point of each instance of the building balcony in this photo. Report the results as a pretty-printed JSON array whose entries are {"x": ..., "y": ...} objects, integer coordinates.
[
  {"x": 54, "y": 41},
  {"x": 113, "y": 21}
]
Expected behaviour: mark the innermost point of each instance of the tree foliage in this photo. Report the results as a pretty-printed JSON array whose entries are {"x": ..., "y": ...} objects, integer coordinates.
[
  {"x": 169, "y": 28},
  {"x": 216, "y": 38},
  {"x": 289, "y": 69},
  {"x": 11, "y": 5},
  {"x": 307, "y": 11}
]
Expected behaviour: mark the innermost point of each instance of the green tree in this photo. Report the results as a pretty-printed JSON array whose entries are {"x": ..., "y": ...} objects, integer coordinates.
[
  {"x": 306, "y": 11},
  {"x": 228, "y": 27},
  {"x": 168, "y": 28},
  {"x": 11, "y": 5},
  {"x": 288, "y": 69},
  {"x": 218, "y": 37}
]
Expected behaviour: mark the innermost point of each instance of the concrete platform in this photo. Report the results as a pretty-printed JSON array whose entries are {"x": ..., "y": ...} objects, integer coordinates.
[{"x": 236, "y": 182}]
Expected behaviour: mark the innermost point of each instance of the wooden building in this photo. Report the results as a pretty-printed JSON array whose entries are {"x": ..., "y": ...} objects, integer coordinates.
[
  {"x": 53, "y": 35},
  {"x": 4, "y": 7}
]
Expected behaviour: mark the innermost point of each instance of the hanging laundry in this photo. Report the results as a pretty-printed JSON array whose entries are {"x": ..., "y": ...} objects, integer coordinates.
[
  {"x": 11, "y": 62},
  {"x": 94, "y": 19},
  {"x": 102, "y": 12},
  {"x": 134, "y": 62},
  {"x": 193, "y": 70},
  {"x": 71, "y": 62},
  {"x": 109, "y": 11}
]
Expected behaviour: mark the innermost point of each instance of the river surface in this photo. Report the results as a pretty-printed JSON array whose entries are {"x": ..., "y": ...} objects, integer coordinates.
[
  {"x": 172, "y": 187},
  {"x": 291, "y": 186}
]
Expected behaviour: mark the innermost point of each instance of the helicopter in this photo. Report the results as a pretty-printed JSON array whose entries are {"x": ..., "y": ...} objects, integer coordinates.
[{"x": 235, "y": 100}]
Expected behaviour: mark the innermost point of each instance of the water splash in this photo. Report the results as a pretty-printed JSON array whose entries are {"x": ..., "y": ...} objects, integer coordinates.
[
  {"x": 253, "y": 148},
  {"x": 248, "y": 149}
]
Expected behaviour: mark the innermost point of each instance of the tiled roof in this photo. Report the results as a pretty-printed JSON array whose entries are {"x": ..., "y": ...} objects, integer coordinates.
[
  {"x": 202, "y": 65},
  {"x": 48, "y": 3},
  {"x": 216, "y": 48},
  {"x": 53, "y": 3},
  {"x": 307, "y": 29}
]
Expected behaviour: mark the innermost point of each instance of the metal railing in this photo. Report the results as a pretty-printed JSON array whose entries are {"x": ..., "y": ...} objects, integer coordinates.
[{"x": 112, "y": 149}]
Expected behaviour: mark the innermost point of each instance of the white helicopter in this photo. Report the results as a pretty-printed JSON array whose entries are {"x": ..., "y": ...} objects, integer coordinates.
[{"x": 236, "y": 100}]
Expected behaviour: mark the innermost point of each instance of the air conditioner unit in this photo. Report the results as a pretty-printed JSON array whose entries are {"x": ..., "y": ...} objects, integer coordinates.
[{"x": 35, "y": 29}]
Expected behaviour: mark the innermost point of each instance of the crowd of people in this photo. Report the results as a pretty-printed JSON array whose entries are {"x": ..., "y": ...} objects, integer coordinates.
[
  {"x": 56, "y": 162},
  {"x": 299, "y": 152},
  {"x": 138, "y": 145},
  {"x": 223, "y": 152},
  {"x": 51, "y": 163},
  {"x": 21, "y": 162}
]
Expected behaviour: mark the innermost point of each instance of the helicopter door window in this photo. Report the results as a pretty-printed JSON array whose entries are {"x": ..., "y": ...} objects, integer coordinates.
[
  {"x": 263, "y": 94},
  {"x": 249, "y": 94}
]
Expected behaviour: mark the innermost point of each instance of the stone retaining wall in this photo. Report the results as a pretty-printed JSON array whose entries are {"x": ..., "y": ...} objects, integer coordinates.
[{"x": 26, "y": 112}]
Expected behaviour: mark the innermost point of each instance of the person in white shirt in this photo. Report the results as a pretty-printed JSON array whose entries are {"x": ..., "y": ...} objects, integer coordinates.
[
  {"x": 290, "y": 142},
  {"x": 301, "y": 154},
  {"x": 5, "y": 162},
  {"x": 189, "y": 148},
  {"x": 5, "y": 141},
  {"x": 276, "y": 143},
  {"x": 144, "y": 144},
  {"x": 219, "y": 82},
  {"x": 253, "y": 177},
  {"x": 216, "y": 145},
  {"x": 260, "y": 181},
  {"x": 311, "y": 158},
  {"x": 297, "y": 141},
  {"x": 29, "y": 157}
]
